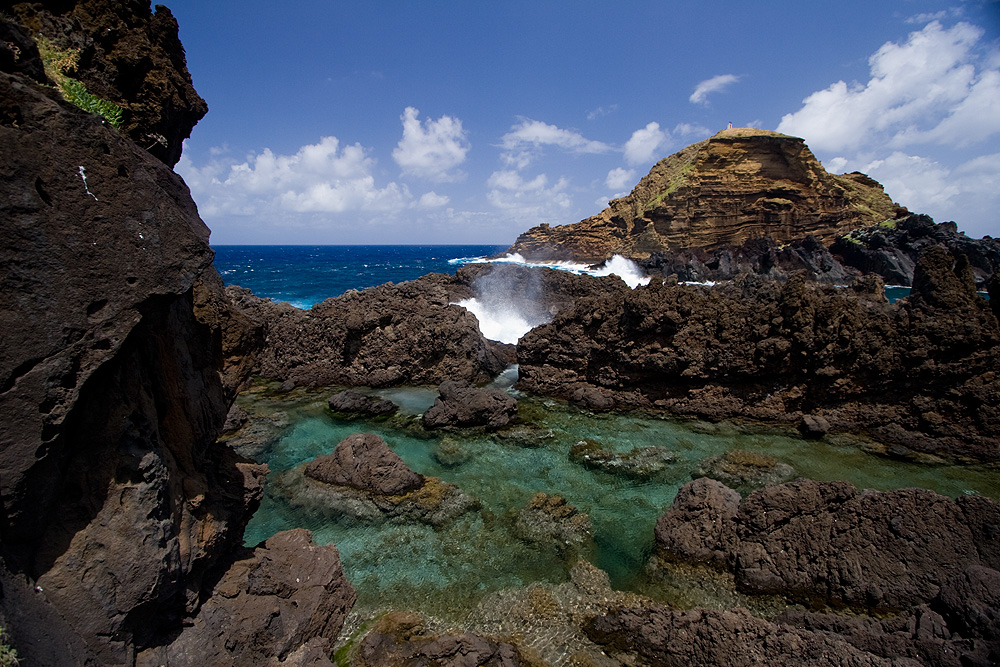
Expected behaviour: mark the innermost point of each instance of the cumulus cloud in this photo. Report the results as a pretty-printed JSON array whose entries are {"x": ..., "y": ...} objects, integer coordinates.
[
  {"x": 529, "y": 201},
  {"x": 692, "y": 130},
  {"x": 713, "y": 85},
  {"x": 525, "y": 139},
  {"x": 432, "y": 200},
  {"x": 431, "y": 149},
  {"x": 644, "y": 145},
  {"x": 923, "y": 90},
  {"x": 924, "y": 124},
  {"x": 602, "y": 111},
  {"x": 619, "y": 178},
  {"x": 322, "y": 177}
]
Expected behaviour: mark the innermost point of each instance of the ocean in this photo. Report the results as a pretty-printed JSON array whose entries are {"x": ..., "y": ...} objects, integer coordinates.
[{"x": 305, "y": 275}]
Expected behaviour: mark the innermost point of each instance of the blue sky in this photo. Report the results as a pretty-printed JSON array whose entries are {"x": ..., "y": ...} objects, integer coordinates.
[{"x": 469, "y": 122}]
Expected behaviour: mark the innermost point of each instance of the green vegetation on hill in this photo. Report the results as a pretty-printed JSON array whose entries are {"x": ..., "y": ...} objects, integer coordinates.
[{"x": 59, "y": 65}]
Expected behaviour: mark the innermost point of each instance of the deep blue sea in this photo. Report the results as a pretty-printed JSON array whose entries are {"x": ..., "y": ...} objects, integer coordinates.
[{"x": 305, "y": 275}]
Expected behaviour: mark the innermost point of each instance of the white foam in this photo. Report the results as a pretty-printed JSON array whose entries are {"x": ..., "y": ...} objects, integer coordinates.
[
  {"x": 619, "y": 266},
  {"x": 500, "y": 321}
]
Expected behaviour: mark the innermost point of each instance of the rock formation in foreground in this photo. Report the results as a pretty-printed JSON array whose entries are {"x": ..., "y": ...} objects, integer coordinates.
[
  {"x": 407, "y": 334},
  {"x": 920, "y": 373},
  {"x": 737, "y": 185},
  {"x": 119, "y": 358}
]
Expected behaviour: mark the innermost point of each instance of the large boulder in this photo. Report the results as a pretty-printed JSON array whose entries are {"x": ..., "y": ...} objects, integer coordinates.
[
  {"x": 363, "y": 461},
  {"x": 463, "y": 405},
  {"x": 270, "y": 603}
]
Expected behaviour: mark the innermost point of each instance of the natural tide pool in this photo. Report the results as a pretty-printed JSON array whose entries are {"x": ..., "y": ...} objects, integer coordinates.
[{"x": 445, "y": 571}]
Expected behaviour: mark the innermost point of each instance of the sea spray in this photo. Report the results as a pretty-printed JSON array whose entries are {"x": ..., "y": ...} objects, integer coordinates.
[
  {"x": 617, "y": 265},
  {"x": 506, "y": 305}
]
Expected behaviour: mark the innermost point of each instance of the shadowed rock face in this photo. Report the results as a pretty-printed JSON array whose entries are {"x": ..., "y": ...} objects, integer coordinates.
[
  {"x": 119, "y": 357},
  {"x": 919, "y": 372},
  {"x": 737, "y": 185},
  {"x": 131, "y": 56}
]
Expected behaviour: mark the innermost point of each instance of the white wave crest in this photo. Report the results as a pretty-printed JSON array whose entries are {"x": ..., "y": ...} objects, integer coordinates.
[
  {"x": 500, "y": 321},
  {"x": 619, "y": 266}
]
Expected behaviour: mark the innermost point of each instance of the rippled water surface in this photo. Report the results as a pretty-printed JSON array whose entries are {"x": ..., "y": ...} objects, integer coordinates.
[{"x": 446, "y": 570}]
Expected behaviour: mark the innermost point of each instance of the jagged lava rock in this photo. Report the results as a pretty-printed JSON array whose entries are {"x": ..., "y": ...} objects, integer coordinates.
[
  {"x": 363, "y": 461},
  {"x": 131, "y": 56},
  {"x": 826, "y": 543},
  {"x": 739, "y": 184},
  {"x": 464, "y": 406},
  {"x": 921, "y": 372},
  {"x": 283, "y": 594},
  {"x": 675, "y": 638},
  {"x": 114, "y": 385}
]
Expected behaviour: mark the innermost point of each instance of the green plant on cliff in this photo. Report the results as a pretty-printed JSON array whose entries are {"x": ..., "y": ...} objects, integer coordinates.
[
  {"x": 60, "y": 65},
  {"x": 8, "y": 656}
]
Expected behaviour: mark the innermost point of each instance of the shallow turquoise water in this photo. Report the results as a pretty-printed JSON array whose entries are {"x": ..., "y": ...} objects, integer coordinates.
[{"x": 445, "y": 571}]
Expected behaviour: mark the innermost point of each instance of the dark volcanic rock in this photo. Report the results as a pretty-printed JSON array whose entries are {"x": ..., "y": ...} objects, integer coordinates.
[
  {"x": 921, "y": 372},
  {"x": 363, "y": 461},
  {"x": 354, "y": 403},
  {"x": 734, "y": 637},
  {"x": 891, "y": 249},
  {"x": 367, "y": 481},
  {"x": 401, "y": 638},
  {"x": 285, "y": 593},
  {"x": 463, "y": 405},
  {"x": 117, "y": 502},
  {"x": 825, "y": 543},
  {"x": 131, "y": 56}
]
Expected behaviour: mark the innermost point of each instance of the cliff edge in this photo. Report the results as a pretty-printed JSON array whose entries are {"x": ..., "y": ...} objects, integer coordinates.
[{"x": 740, "y": 184}]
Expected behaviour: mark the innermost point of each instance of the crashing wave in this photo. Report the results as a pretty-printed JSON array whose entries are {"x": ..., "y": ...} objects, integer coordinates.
[{"x": 619, "y": 266}]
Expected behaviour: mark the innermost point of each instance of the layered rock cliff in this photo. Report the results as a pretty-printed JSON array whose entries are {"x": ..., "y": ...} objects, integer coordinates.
[
  {"x": 738, "y": 185},
  {"x": 119, "y": 358}
]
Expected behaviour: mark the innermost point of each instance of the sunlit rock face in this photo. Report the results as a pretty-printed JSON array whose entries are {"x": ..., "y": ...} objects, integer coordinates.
[{"x": 737, "y": 185}]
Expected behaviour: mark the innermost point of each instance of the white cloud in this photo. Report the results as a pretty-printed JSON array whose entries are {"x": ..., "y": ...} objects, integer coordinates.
[
  {"x": 432, "y": 200},
  {"x": 924, "y": 90},
  {"x": 601, "y": 111},
  {"x": 925, "y": 124},
  {"x": 526, "y": 138},
  {"x": 528, "y": 201},
  {"x": 321, "y": 177},
  {"x": 692, "y": 130},
  {"x": 431, "y": 149},
  {"x": 619, "y": 178},
  {"x": 644, "y": 145},
  {"x": 713, "y": 85}
]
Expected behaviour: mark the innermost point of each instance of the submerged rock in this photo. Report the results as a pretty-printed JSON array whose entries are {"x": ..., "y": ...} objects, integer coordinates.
[
  {"x": 739, "y": 468},
  {"x": 403, "y": 638},
  {"x": 639, "y": 463},
  {"x": 450, "y": 453},
  {"x": 464, "y": 406},
  {"x": 549, "y": 519}
]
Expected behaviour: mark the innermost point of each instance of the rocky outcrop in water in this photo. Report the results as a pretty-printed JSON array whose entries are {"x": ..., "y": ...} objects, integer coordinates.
[
  {"x": 353, "y": 404},
  {"x": 826, "y": 543},
  {"x": 550, "y": 519},
  {"x": 120, "y": 509},
  {"x": 129, "y": 55},
  {"x": 461, "y": 405},
  {"x": 638, "y": 463},
  {"x": 919, "y": 373},
  {"x": 741, "y": 469},
  {"x": 365, "y": 480},
  {"x": 739, "y": 184}
]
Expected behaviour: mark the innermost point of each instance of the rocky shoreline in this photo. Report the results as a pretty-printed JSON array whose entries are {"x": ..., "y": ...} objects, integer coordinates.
[{"x": 124, "y": 510}]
